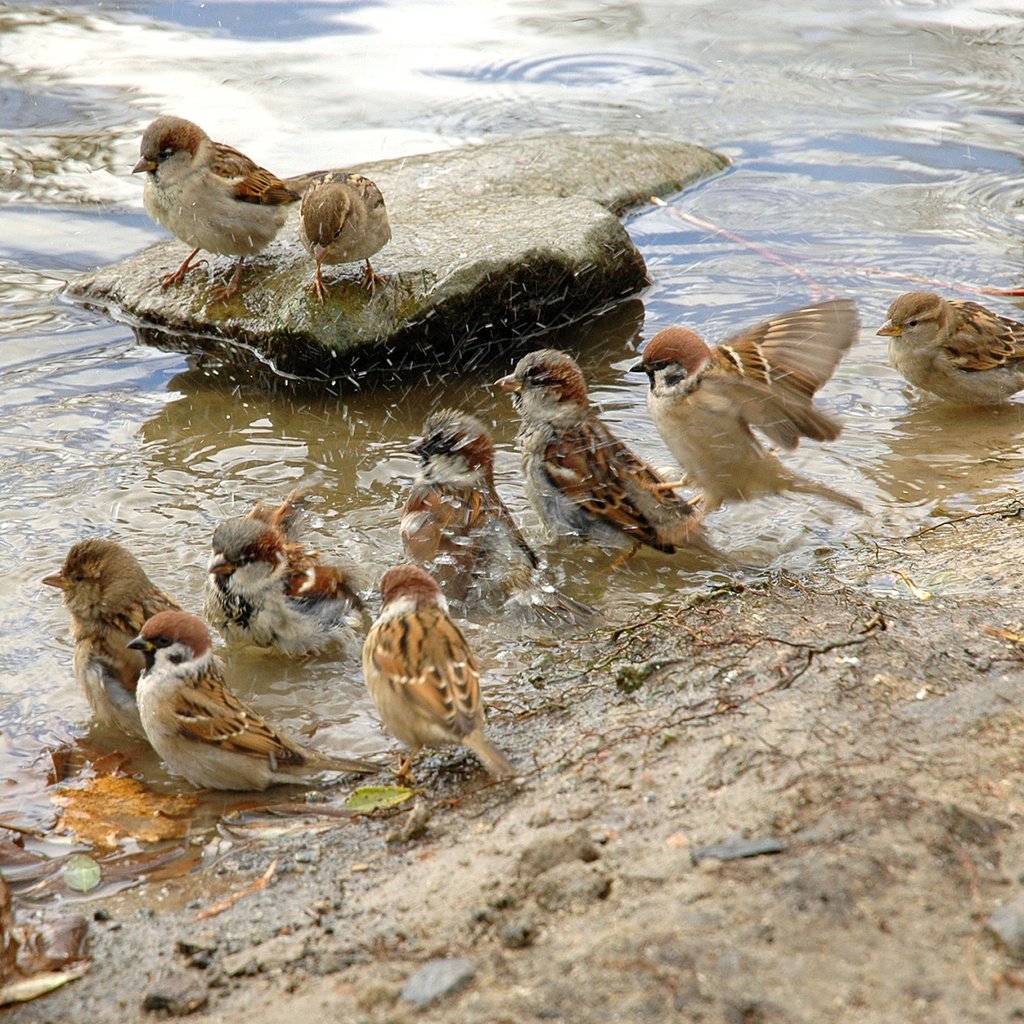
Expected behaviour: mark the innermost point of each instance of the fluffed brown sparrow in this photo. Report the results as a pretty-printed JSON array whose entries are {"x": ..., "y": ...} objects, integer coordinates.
[
  {"x": 455, "y": 524},
  {"x": 422, "y": 674},
  {"x": 955, "y": 349},
  {"x": 583, "y": 481},
  {"x": 344, "y": 219},
  {"x": 266, "y": 588},
  {"x": 209, "y": 195},
  {"x": 109, "y": 597},
  {"x": 704, "y": 401},
  {"x": 202, "y": 731}
]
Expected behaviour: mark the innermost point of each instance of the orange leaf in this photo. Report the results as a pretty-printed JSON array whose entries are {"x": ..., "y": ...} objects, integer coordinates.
[{"x": 110, "y": 808}]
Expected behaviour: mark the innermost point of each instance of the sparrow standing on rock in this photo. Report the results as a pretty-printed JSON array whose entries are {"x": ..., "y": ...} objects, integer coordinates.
[
  {"x": 957, "y": 350},
  {"x": 266, "y": 588},
  {"x": 344, "y": 219},
  {"x": 704, "y": 401},
  {"x": 582, "y": 480},
  {"x": 421, "y": 673},
  {"x": 201, "y": 729},
  {"x": 209, "y": 195},
  {"x": 455, "y": 523},
  {"x": 109, "y": 597}
]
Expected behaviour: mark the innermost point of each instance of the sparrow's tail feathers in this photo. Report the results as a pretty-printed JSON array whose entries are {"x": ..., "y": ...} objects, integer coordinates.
[
  {"x": 549, "y": 607},
  {"x": 492, "y": 759},
  {"x": 804, "y": 485}
]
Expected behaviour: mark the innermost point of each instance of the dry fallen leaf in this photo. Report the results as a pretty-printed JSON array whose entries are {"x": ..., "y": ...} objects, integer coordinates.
[
  {"x": 110, "y": 808},
  {"x": 36, "y": 959}
]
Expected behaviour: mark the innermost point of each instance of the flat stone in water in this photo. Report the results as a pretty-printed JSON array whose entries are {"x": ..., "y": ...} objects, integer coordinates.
[
  {"x": 438, "y": 978},
  {"x": 491, "y": 242}
]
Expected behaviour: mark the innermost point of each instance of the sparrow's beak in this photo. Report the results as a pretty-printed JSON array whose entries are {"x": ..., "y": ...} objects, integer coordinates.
[
  {"x": 638, "y": 368},
  {"x": 55, "y": 580},
  {"x": 140, "y": 643},
  {"x": 219, "y": 565},
  {"x": 144, "y": 164},
  {"x": 510, "y": 383},
  {"x": 889, "y": 330}
]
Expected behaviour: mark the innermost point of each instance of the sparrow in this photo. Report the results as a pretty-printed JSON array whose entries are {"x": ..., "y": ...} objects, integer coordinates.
[
  {"x": 200, "y": 728},
  {"x": 421, "y": 673},
  {"x": 209, "y": 195},
  {"x": 266, "y": 588},
  {"x": 344, "y": 219},
  {"x": 705, "y": 401},
  {"x": 957, "y": 350},
  {"x": 583, "y": 481},
  {"x": 455, "y": 523},
  {"x": 109, "y": 597}
]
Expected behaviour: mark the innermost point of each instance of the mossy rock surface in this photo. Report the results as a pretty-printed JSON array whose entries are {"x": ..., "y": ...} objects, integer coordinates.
[{"x": 489, "y": 243}]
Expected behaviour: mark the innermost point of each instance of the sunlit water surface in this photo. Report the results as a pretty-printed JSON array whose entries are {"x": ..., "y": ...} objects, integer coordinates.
[{"x": 875, "y": 146}]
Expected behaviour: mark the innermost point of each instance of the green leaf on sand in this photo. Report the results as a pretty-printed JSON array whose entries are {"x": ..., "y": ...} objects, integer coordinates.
[
  {"x": 81, "y": 873},
  {"x": 367, "y": 799}
]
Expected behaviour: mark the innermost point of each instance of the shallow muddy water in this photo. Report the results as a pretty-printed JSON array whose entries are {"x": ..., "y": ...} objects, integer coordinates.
[{"x": 875, "y": 149}]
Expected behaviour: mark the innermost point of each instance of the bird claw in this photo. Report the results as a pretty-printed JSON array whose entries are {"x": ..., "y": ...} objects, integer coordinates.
[
  {"x": 175, "y": 277},
  {"x": 318, "y": 288}
]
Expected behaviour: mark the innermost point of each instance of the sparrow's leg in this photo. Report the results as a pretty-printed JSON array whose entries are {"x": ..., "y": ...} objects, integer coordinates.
[
  {"x": 177, "y": 276},
  {"x": 228, "y": 291},
  {"x": 671, "y": 485},
  {"x": 403, "y": 772},
  {"x": 370, "y": 279},
  {"x": 626, "y": 556},
  {"x": 318, "y": 285}
]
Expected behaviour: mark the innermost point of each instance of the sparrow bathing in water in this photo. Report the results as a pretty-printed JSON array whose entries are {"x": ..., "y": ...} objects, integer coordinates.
[
  {"x": 957, "y": 350},
  {"x": 582, "y": 480},
  {"x": 706, "y": 401},
  {"x": 421, "y": 673},
  {"x": 455, "y": 523},
  {"x": 209, "y": 196},
  {"x": 109, "y": 597},
  {"x": 200, "y": 729},
  {"x": 344, "y": 219},
  {"x": 266, "y": 588}
]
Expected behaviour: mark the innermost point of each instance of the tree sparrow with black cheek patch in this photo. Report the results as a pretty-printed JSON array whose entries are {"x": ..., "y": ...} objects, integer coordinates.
[
  {"x": 957, "y": 350},
  {"x": 209, "y": 195},
  {"x": 109, "y": 597},
  {"x": 582, "y": 480},
  {"x": 344, "y": 219},
  {"x": 704, "y": 401},
  {"x": 421, "y": 672},
  {"x": 201, "y": 729},
  {"x": 455, "y": 523},
  {"x": 267, "y": 589}
]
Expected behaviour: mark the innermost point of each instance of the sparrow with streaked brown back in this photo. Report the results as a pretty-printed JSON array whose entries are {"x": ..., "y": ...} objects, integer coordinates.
[
  {"x": 422, "y": 674},
  {"x": 200, "y": 729},
  {"x": 266, "y": 588},
  {"x": 109, "y": 597},
  {"x": 584, "y": 483},
  {"x": 344, "y": 219},
  {"x": 455, "y": 524},
  {"x": 705, "y": 401},
  {"x": 955, "y": 349},
  {"x": 209, "y": 195}
]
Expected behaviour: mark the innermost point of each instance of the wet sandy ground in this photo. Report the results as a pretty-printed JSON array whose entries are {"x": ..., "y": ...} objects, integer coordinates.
[{"x": 862, "y": 724}]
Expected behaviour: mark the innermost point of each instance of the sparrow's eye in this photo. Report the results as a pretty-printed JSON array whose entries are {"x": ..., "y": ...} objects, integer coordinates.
[
  {"x": 165, "y": 152},
  {"x": 913, "y": 323},
  {"x": 161, "y": 641},
  {"x": 78, "y": 577}
]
